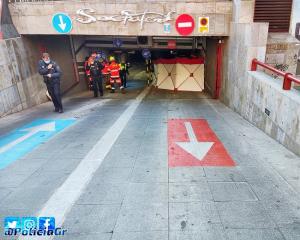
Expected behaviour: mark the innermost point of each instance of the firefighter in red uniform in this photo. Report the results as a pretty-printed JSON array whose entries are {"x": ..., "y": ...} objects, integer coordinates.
[
  {"x": 105, "y": 74},
  {"x": 115, "y": 80}
]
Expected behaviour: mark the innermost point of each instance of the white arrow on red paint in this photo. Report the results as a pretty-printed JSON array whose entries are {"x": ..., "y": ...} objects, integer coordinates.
[{"x": 193, "y": 147}]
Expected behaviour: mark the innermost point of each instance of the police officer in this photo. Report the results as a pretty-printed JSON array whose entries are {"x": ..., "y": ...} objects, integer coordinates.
[
  {"x": 95, "y": 67},
  {"x": 123, "y": 73},
  {"x": 51, "y": 73}
]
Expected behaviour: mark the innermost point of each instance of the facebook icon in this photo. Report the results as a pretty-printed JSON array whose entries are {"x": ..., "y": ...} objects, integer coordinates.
[{"x": 46, "y": 223}]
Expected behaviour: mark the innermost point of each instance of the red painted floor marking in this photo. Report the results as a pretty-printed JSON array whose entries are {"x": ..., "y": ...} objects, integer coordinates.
[{"x": 192, "y": 142}]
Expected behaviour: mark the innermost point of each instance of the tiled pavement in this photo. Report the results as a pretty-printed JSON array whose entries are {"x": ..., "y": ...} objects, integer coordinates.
[{"x": 135, "y": 195}]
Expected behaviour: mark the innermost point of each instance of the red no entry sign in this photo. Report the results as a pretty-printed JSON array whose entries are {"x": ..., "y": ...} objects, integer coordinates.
[
  {"x": 185, "y": 24},
  {"x": 191, "y": 142}
]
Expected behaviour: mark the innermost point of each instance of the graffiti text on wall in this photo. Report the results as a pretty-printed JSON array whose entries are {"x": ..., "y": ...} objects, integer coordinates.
[{"x": 85, "y": 16}]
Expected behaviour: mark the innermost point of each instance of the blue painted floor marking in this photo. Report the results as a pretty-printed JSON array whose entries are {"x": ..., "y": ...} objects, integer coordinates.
[{"x": 23, "y": 140}]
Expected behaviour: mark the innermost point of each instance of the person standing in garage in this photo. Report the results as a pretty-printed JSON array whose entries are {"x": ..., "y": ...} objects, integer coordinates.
[
  {"x": 123, "y": 73},
  {"x": 95, "y": 67},
  {"x": 51, "y": 73},
  {"x": 105, "y": 74},
  {"x": 114, "y": 70}
]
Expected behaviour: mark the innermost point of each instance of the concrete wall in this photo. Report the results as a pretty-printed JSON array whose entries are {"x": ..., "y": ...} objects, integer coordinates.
[
  {"x": 282, "y": 51},
  {"x": 20, "y": 84},
  {"x": 25, "y": 15},
  {"x": 7, "y": 29},
  {"x": 283, "y": 48},
  {"x": 252, "y": 94},
  {"x": 80, "y": 58},
  {"x": 59, "y": 49},
  {"x": 265, "y": 92},
  {"x": 243, "y": 11},
  {"x": 295, "y": 17},
  {"x": 246, "y": 41}
]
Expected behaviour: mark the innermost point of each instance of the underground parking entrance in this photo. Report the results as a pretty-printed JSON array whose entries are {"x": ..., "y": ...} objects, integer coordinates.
[{"x": 177, "y": 65}]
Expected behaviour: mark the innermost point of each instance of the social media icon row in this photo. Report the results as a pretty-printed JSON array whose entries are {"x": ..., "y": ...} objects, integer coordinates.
[{"x": 41, "y": 223}]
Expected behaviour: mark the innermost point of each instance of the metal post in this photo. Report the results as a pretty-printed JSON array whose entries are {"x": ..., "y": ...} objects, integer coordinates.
[
  {"x": 254, "y": 65},
  {"x": 219, "y": 69},
  {"x": 74, "y": 60},
  {"x": 287, "y": 82}
]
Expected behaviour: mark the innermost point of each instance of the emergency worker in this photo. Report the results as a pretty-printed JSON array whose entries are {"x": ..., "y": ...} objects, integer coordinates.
[
  {"x": 105, "y": 74},
  {"x": 51, "y": 73},
  {"x": 114, "y": 70},
  {"x": 95, "y": 67},
  {"x": 123, "y": 73}
]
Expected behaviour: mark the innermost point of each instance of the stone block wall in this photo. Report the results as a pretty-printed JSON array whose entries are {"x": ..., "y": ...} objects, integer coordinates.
[
  {"x": 273, "y": 110},
  {"x": 20, "y": 85},
  {"x": 246, "y": 41},
  {"x": 282, "y": 51},
  {"x": 258, "y": 96}
]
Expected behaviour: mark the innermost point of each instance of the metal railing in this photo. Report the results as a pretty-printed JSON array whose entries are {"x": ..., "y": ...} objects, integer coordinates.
[
  {"x": 24, "y": 1},
  {"x": 288, "y": 78}
]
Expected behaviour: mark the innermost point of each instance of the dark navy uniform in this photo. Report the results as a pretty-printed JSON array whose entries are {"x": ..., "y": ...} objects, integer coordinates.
[
  {"x": 53, "y": 82},
  {"x": 95, "y": 69},
  {"x": 123, "y": 73}
]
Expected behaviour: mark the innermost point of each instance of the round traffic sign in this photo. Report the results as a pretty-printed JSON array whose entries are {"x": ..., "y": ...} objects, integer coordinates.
[
  {"x": 101, "y": 54},
  {"x": 117, "y": 42},
  {"x": 146, "y": 53},
  {"x": 185, "y": 24},
  {"x": 62, "y": 23},
  {"x": 203, "y": 21}
]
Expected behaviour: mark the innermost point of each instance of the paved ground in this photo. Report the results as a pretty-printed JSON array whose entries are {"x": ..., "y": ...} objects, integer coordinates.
[{"x": 132, "y": 194}]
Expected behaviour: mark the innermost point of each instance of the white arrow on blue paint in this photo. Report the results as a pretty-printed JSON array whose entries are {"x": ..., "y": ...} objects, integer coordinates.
[
  {"x": 61, "y": 24},
  {"x": 193, "y": 147},
  {"x": 47, "y": 127}
]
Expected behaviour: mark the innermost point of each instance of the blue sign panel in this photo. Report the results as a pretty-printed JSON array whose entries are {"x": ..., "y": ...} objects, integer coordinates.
[
  {"x": 101, "y": 55},
  {"x": 117, "y": 42},
  {"x": 146, "y": 53},
  {"x": 167, "y": 28},
  {"x": 62, "y": 23},
  {"x": 25, "y": 139}
]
